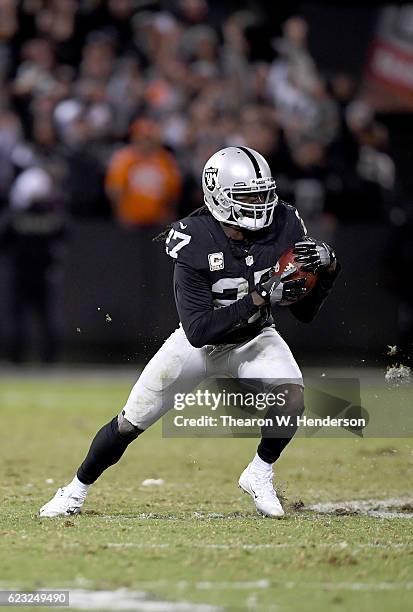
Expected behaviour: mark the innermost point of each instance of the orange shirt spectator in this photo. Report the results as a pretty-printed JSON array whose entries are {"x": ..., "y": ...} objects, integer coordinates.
[{"x": 143, "y": 180}]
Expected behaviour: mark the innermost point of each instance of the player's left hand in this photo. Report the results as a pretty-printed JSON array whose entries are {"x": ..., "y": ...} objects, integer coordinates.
[{"x": 315, "y": 255}]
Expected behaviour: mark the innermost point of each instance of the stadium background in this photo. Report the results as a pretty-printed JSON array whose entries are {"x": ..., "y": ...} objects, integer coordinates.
[
  {"x": 328, "y": 98},
  {"x": 203, "y": 75}
]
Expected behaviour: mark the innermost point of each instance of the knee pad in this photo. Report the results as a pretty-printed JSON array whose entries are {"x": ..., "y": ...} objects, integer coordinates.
[
  {"x": 126, "y": 429},
  {"x": 294, "y": 399},
  {"x": 144, "y": 406},
  {"x": 291, "y": 407}
]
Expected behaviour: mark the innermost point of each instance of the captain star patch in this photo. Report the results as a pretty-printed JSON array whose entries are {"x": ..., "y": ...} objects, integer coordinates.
[{"x": 216, "y": 261}]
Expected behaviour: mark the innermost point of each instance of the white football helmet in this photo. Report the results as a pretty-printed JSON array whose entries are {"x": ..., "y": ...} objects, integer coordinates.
[{"x": 239, "y": 189}]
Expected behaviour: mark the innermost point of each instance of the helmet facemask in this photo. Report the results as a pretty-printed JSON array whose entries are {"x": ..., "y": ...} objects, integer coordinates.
[{"x": 251, "y": 208}]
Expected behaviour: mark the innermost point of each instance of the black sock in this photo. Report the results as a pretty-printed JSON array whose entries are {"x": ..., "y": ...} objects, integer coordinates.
[
  {"x": 269, "y": 449},
  {"x": 106, "y": 449},
  {"x": 275, "y": 439}
]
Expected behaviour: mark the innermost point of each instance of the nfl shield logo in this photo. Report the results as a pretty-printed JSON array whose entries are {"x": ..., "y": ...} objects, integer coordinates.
[{"x": 210, "y": 178}]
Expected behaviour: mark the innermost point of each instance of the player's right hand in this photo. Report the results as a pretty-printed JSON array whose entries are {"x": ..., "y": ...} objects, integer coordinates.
[
  {"x": 292, "y": 291},
  {"x": 278, "y": 288}
]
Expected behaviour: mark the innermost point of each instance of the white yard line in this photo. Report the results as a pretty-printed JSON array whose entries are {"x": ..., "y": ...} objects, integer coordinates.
[
  {"x": 219, "y": 585},
  {"x": 379, "y": 508},
  {"x": 229, "y": 585},
  {"x": 143, "y": 601},
  {"x": 270, "y": 546},
  {"x": 123, "y": 599},
  {"x": 205, "y": 585},
  {"x": 353, "y": 586}
]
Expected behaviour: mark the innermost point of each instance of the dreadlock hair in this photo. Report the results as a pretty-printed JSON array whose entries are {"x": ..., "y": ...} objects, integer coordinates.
[{"x": 202, "y": 210}]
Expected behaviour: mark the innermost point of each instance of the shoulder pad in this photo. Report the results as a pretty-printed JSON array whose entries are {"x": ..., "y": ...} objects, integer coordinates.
[
  {"x": 293, "y": 213},
  {"x": 187, "y": 241}
]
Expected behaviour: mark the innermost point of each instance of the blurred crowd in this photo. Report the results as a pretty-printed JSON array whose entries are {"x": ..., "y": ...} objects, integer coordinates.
[
  {"x": 110, "y": 108},
  {"x": 121, "y": 102}
]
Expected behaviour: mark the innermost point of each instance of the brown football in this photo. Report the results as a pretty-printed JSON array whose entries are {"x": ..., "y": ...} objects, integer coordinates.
[{"x": 287, "y": 262}]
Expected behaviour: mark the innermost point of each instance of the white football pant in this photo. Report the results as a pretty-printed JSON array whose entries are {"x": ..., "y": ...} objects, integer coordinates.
[{"x": 178, "y": 367}]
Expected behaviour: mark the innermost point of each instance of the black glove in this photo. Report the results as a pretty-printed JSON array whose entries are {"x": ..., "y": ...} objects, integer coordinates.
[
  {"x": 278, "y": 289},
  {"x": 314, "y": 255}
]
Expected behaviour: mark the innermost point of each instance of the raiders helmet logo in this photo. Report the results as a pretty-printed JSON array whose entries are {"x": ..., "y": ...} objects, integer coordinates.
[{"x": 210, "y": 178}]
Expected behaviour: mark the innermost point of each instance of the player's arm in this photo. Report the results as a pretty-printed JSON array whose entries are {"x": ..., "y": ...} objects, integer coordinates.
[
  {"x": 318, "y": 257},
  {"x": 202, "y": 323}
]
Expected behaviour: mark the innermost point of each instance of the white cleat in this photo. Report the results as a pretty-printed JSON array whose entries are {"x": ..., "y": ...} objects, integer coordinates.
[
  {"x": 258, "y": 484},
  {"x": 62, "y": 504}
]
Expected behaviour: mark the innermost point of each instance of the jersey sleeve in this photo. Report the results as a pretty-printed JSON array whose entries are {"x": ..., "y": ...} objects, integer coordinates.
[
  {"x": 296, "y": 225},
  {"x": 307, "y": 309},
  {"x": 178, "y": 244},
  {"x": 202, "y": 323},
  {"x": 186, "y": 244}
]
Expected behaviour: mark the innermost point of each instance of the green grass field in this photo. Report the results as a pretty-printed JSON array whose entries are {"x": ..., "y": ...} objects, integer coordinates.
[{"x": 197, "y": 539}]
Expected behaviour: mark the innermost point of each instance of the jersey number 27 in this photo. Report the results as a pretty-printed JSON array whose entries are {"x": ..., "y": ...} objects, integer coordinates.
[{"x": 182, "y": 240}]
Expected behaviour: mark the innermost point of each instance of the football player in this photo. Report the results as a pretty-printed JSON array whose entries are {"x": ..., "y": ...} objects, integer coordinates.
[{"x": 225, "y": 292}]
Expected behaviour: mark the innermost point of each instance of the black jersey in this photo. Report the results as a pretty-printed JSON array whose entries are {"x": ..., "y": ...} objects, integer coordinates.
[{"x": 214, "y": 275}]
